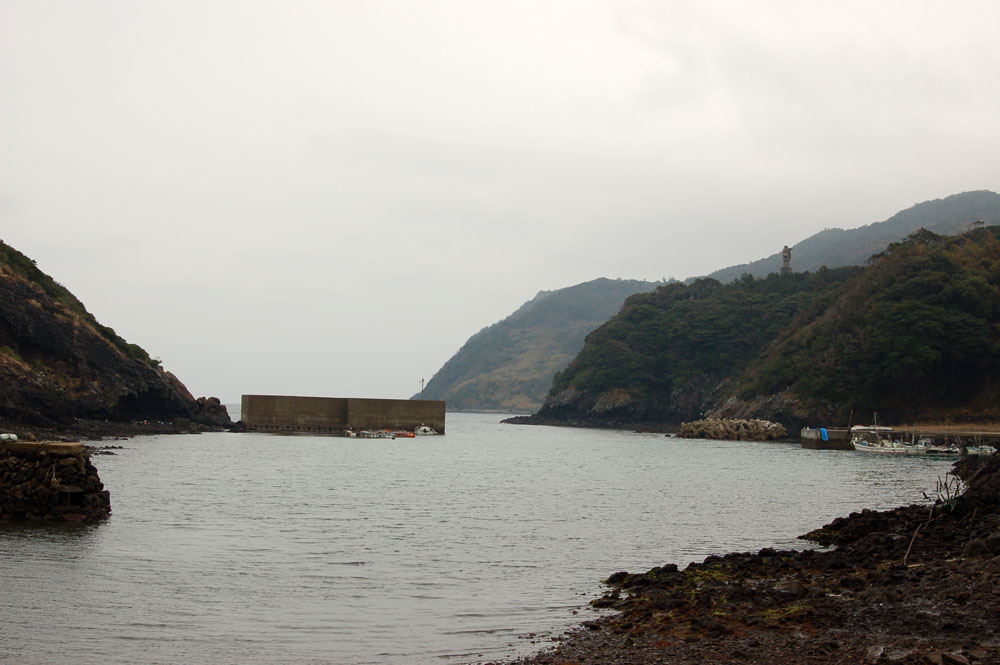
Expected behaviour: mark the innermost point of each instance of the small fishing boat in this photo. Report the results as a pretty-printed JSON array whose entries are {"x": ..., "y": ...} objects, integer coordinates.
[
  {"x": 425, "y": 430},
  {"x": 876, "y": 439},
  {"x": 887, "y": 447},
  {"x": 950, "y": 450},
  {"x": 376, "y": 434},
  {"x": 919, "y": 447}
]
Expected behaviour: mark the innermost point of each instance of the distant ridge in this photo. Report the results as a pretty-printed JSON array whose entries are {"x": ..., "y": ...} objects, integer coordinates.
[
  {"x": 835, "y": 248},
  {"x": 509, "y": 366}
]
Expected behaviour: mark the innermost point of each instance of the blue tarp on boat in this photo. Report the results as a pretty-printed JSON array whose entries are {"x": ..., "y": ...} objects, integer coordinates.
[{"x": 823, "y": 434}]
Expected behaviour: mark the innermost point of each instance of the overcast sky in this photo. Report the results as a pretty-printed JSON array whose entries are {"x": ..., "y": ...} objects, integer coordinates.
[{"x": 329, "y": 198}]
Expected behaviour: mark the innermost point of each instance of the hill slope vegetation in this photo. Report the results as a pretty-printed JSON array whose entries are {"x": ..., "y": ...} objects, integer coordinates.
[
  {"x": 915, "y": 334},
  {"x": 59, "y": 365},
  {"x": 509, "y": 366}
]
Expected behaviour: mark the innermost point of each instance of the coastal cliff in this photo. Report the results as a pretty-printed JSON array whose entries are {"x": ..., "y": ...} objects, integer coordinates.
[{"x": 59, "y": 366}]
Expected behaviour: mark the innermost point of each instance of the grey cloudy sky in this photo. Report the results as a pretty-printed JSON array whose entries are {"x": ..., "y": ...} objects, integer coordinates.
[{"x": 328, "y": 198}]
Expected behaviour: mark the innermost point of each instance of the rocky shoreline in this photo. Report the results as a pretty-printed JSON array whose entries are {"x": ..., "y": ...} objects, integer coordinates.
[
  {"x": 914, "y": 585},
  {"x": 102, "y": 430}
]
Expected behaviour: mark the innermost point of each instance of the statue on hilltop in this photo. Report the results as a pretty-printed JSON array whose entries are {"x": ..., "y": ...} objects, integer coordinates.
[{"x": 786, "y": 255}]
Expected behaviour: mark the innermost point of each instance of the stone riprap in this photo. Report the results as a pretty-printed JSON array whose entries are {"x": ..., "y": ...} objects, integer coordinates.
[
  {"x": 50, "y": 482},
  {"x": 733, "y": 430}
]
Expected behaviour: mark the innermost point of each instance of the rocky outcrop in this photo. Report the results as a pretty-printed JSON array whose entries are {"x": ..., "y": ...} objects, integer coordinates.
[
  {"x": 50, "y": 482},
  {"x": 733, "y": 430},
  {"x": 58, "y": 365},
  {"x": 915, "y": 585},
  {"x": 210, "y": 410}
]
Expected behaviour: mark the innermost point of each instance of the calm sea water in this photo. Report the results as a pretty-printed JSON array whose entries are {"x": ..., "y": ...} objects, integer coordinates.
[{"x": 248, "y": 548}]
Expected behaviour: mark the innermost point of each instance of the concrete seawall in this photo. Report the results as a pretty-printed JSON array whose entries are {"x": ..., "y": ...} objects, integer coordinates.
[{"x": 332, "y": 415}]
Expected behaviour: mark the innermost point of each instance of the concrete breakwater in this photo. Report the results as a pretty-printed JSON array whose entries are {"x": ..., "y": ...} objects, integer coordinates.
[
  {"x": 50, "y": 482},
  {"x": 288, "y": 414}
]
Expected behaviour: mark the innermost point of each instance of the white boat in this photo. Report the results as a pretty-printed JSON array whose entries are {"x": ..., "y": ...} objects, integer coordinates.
[
  {"x": 425, "y": 430},
  {"x": 886, "y": 447},
  {"x": 376, "y": 434},
  {"x": 876, "y": 439},
  {"x": 881, "y": 439},
  {"x": 944, "y": 450}
]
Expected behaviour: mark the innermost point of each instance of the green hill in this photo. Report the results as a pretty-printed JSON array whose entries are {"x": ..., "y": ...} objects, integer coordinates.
[
  {"x": 834, "y": 248},
  {"x": 662, "y": 357},
  {"x": 509, "y": 366},
  {"x": 915, "y": 334}
]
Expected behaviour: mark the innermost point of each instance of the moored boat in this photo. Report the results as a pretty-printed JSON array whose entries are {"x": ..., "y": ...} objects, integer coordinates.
[
  {"x": 887, "y": 447},
  {"x": 376, "y": 434},
  {"x": 425, "y": 430},
  {"x": 951, "y": 450},
  {"x": 876, "y": 439}
]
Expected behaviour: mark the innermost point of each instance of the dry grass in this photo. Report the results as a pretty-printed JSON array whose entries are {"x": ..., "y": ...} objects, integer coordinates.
[{"x": 984, "y": 427}]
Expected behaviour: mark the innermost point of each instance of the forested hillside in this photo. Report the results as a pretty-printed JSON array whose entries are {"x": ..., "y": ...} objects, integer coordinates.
[
  {"x": 509, "y": 366},
  {"x": 916, "y": 334},
  {"x": 834, "y": 248},
  {"x": 660, "y": 359}
]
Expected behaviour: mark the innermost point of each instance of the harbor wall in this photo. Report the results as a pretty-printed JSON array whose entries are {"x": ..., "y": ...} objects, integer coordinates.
[
  {"x": 332, "y": 415},
  {"x": 52, "y": 482},
  {"x": 837, "y": 438}
]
